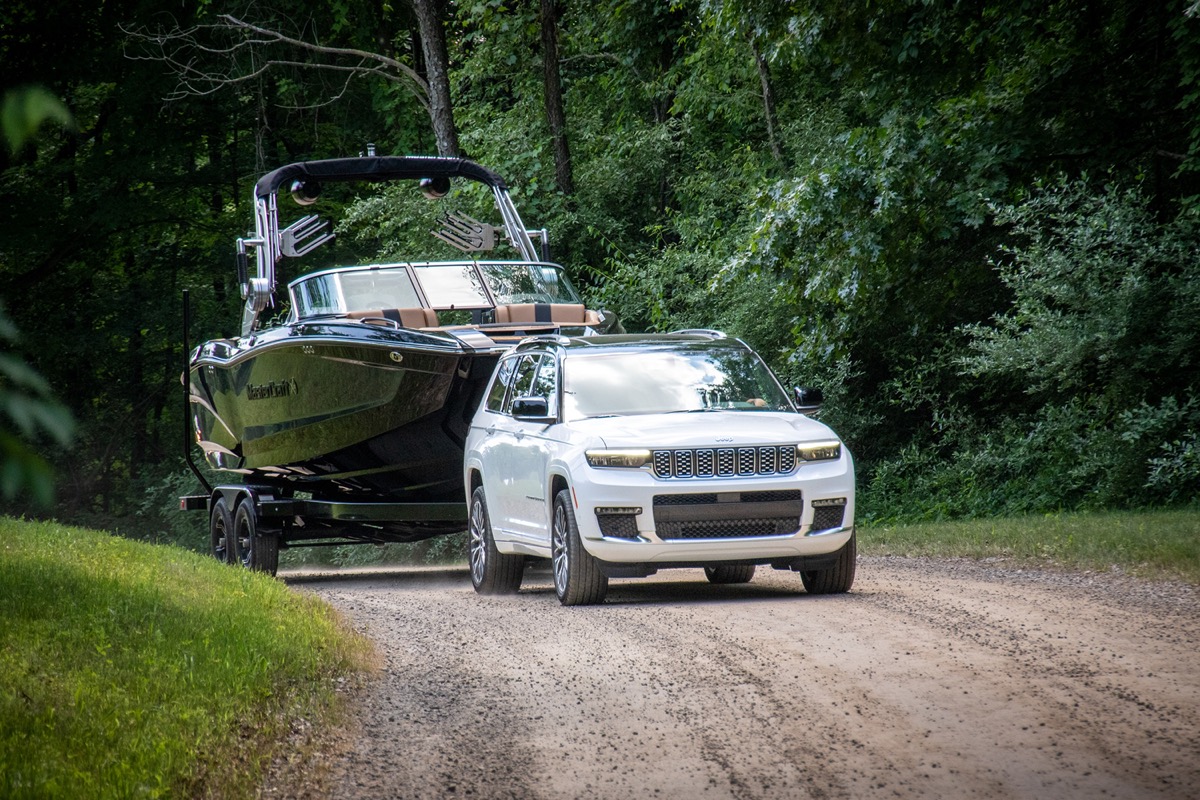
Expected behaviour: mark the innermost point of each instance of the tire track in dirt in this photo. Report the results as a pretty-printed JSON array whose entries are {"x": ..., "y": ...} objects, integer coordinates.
[{"x": 931, "y": 679}]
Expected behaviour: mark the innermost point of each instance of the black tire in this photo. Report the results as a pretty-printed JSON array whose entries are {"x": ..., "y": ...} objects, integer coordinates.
[
  {"x": 254, "y": 546},
  {"x": 578, "y": 580},
  {"x": 492, "y": 572},
  {"x": 220, "y": 532},
  {"x": 838, "y": 578},
  {"x": 730, "y": 573}
]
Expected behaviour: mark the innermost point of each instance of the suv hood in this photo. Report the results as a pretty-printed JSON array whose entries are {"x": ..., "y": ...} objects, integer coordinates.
[{"x": 704, "y": 429}]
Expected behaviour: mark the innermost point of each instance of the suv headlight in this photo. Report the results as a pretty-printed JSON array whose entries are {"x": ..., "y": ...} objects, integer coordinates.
[
  {"x": 630, "y": 459},
  {"x": 819, "y": 451}
]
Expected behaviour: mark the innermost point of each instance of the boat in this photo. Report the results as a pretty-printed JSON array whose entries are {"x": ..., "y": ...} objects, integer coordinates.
[{"x": 360, "y": 386}]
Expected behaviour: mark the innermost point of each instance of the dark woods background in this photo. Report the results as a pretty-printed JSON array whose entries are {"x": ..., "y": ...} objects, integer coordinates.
[{"x": 973, "y": 224}]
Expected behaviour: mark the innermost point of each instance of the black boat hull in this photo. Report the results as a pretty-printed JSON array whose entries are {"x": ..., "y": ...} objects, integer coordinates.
[{"x": 340, "y": 410}]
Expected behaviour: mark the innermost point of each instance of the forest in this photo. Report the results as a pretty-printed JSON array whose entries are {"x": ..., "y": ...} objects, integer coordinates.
[{"x": 975, "y": 225}]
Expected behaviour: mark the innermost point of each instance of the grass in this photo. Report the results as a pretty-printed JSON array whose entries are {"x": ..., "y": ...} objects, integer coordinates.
[
  {"x": 1159, "y": 545},
  {"x": 136, "y": 670}
]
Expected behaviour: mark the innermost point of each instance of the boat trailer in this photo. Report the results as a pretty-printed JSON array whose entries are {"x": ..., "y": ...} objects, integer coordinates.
[{"x": 250, "y": 524}]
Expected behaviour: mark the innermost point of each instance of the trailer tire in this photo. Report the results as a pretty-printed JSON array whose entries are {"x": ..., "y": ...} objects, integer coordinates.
[
  {"x": 220, "y": 532},
  {"x": 254, "y": 546}
]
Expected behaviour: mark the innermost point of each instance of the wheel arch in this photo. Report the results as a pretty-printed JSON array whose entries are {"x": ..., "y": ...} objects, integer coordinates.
[
  {"x": 558, "y": 482},
  {"x": 474, "y": 481}
]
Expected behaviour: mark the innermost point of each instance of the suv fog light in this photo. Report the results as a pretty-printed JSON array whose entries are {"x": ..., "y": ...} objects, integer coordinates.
[
  {"x": 828, "y": 513},
  {"x": 618, "y": 523}
]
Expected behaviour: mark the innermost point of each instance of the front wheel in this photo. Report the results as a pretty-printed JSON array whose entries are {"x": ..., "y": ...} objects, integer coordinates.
[
  {"x": 578, "y": 580},
  {"x": 838, "y": 578},
  {"x": 492, "y": 572}
]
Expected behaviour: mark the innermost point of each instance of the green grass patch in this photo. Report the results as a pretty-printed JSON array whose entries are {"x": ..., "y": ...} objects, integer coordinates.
[
  {"x": 1157, "y": 544},
  {"x": 136, "y": 670}
]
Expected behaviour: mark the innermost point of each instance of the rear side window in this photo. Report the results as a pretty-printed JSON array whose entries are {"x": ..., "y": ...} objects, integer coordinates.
[
  {"x": 495, "y": 398},
  {"x": 523, "y": 381},
  {"x": 546, "y": 383}
]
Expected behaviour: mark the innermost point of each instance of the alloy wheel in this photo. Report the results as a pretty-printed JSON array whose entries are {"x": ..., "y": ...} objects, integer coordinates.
[
  {"x": 558, "y": 550},
  {"x": 478, "y": 535}
]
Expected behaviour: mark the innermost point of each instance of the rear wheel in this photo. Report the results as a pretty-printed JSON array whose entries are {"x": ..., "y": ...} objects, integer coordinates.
[
  {"x": 220, "y": 531},
  {"x": 253, "y": 546},
  {"x": 578, "y": 580},
  {"x": 492, "y": 572},
  {"x": 729, "y": 573},
  {"x": 838, "y": 578}
]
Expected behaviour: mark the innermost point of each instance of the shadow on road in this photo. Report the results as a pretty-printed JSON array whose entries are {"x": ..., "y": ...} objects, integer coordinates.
[{"x": 407, "y": 575}]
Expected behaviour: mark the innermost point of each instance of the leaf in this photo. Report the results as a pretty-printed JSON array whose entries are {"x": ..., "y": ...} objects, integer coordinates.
[{"x": 25, "y": 109}]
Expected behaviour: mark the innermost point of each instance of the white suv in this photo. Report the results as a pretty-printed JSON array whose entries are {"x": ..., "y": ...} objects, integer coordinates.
[{"x": 617, "y": 456}]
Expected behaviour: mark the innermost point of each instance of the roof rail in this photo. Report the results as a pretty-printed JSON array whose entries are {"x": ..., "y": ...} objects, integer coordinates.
[
  {"x": 541, "y": 338},
  {"x": 709, "y": 332}
]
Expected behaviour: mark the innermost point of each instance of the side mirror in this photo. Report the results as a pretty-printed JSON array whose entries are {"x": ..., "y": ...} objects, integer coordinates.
[
  {"x": 808, "y": 399},
  {"x": 532, "y": 409}
]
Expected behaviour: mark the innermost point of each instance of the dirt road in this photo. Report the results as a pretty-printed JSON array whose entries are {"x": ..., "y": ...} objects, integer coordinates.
[{"x": 931, "y": 679}]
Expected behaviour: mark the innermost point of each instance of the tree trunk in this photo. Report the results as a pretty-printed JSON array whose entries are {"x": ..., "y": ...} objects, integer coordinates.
[
  {"x": 764, "y": 75},
  {"x": 433, "y": 46},
  {"x": 554, "y": 99}
]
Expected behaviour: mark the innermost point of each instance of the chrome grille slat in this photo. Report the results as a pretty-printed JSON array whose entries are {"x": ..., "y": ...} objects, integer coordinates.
[{"x": 724, "y": 462}]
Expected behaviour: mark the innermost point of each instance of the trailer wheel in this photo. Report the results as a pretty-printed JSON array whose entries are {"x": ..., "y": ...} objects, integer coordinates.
[
  {"x": 220, "y": 531},
  {"x": 255, "y": 547}
]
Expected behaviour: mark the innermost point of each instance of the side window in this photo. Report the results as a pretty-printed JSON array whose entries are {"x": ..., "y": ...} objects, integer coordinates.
[
  {"x": 495, "y": 398},
  {"x": 545, "y": 383},
  {"x": 523, "y": 381}
]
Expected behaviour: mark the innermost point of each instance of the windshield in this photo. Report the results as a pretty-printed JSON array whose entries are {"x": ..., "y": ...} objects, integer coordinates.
[
  {"x": 354, "y": 290},
  {"x": 528, "y": 283},
  {"x": 459, "y": 285},
  {"x": 668, "y": 381}
]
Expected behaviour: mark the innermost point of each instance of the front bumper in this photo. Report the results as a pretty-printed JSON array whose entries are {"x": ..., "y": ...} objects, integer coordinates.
[{"x": 693, "y": 521}]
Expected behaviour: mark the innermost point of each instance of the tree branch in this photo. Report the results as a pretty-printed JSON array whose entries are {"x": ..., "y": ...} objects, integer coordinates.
[{"x": 185, "y": 52}]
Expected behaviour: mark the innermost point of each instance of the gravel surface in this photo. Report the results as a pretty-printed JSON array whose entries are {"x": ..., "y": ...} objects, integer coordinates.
[{"x": 933, "y": 678}]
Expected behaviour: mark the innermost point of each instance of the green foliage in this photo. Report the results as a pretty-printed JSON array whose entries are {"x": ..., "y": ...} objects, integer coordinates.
[
  {"x": 135, "y": 670},
  {"x": 1105, "y": 297},
  {"x": 28, "y": 413},
  {"x": 23, "y": 111},
  {"x": 992, "y": 334},
  {"x": 1102, "y": 322}
]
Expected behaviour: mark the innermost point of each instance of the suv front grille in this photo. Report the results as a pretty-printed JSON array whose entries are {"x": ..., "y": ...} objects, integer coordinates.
[
  {"x": 729, "y": 515},
  {"x": 725, "y": 462}
]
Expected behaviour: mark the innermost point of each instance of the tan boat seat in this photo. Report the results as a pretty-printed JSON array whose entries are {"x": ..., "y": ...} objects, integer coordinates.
[
  {"x": 560, "y": 313},
  {"x": 404, "y": 317}
]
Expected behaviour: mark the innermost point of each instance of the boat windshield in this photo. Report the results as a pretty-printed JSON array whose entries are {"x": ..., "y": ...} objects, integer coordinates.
[
  {"x": 670, "y": 381},
  {"x": 462, "y": 285},
  {"x": 449, "y": 285},
  {"x": 354, "y": 290}
]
